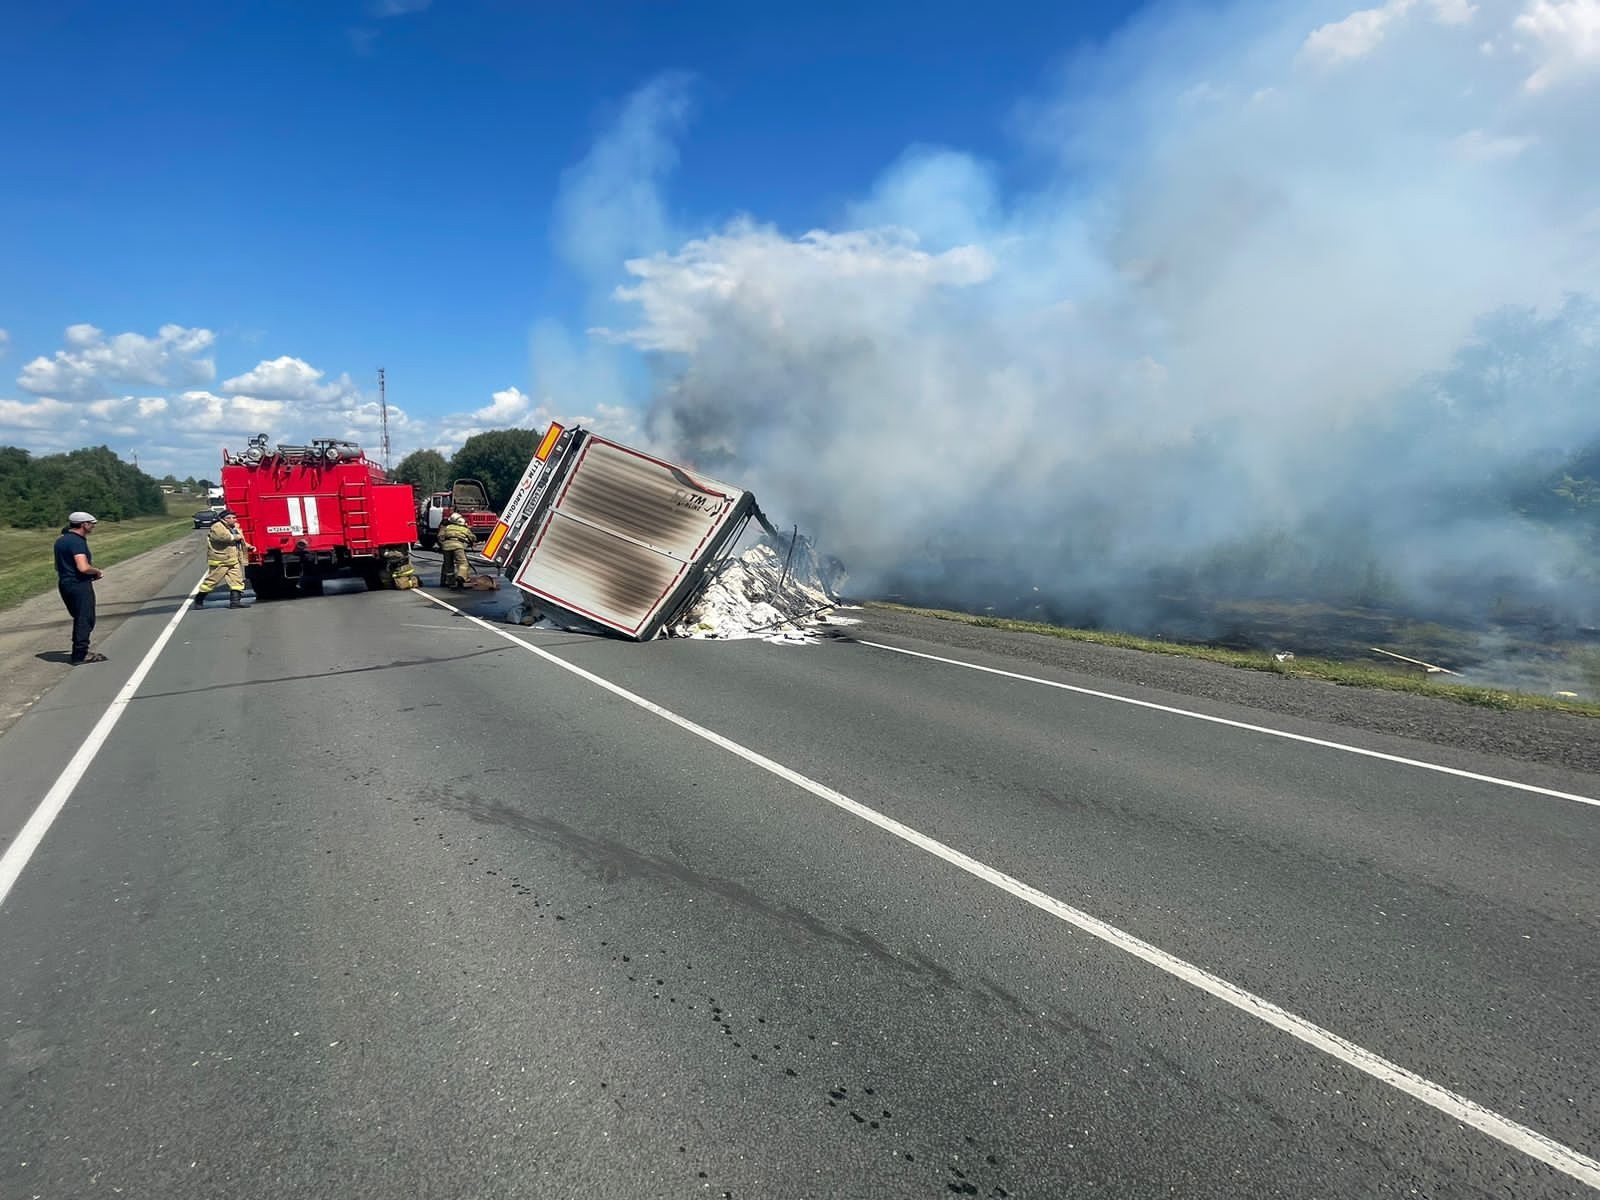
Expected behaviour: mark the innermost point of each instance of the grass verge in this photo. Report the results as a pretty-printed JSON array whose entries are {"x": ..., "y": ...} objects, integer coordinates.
[
  {"x": 28, "y": 569},
  {"x": 1346, "y": 674}
]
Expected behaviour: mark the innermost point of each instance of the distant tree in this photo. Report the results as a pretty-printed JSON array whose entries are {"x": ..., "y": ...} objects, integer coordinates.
[
  {"x": 189, "y": 484},
  {"x": 498, "y": 458},
  {"x": 425, "y": 470},
  {"x": 39, "y": 492}
]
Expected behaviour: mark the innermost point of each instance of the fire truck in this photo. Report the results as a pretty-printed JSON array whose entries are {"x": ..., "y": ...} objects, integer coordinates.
[
  {"x": 466, "y": 496},
  {"x": 316, "y": 512}
]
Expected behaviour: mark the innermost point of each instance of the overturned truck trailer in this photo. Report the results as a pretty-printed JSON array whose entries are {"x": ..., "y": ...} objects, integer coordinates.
[{"x": 612, "y": 536}]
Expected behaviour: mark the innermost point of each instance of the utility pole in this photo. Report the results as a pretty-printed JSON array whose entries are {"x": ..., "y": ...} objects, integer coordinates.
[{"x": 383, "y": 409}]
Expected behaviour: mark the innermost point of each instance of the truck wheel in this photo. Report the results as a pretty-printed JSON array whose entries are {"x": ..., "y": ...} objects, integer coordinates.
[{"x": 267, "y": 584}]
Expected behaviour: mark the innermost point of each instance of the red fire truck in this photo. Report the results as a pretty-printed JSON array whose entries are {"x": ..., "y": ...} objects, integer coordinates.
[
  {"x": 466, "y": 496},
  {"x": 315, "y": 512}
]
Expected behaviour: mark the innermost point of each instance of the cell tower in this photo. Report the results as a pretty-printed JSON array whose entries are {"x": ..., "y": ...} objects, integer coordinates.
[{"x": 383, "y": 416}]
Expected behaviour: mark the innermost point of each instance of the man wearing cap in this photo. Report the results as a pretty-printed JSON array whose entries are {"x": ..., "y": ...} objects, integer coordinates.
[
  {"x": 225, "y": 551},
  {"x": 75, "y": 576}
]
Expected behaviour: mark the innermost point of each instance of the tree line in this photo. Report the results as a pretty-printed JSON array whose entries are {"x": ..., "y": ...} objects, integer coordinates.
[
  {"x": 496, "y": 459},
  {"x": 37, "y": 493}
]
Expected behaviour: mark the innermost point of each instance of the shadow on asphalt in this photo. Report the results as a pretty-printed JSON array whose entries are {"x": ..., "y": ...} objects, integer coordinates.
[
  {"x": 126, "y": 608},
  {"x": 388, "y": 666},
  {"x": 55, "y": 656}
]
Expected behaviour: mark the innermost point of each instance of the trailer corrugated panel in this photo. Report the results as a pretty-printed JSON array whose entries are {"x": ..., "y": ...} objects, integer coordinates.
[{"x": 627, "y": 537}]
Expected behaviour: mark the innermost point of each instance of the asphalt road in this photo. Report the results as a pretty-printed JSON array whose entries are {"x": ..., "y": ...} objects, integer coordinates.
[{"x": 359, "y": 898}]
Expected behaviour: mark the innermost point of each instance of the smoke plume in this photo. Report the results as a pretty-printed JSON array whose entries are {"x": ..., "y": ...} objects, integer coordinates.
[{"x": 1300, "y": 309}]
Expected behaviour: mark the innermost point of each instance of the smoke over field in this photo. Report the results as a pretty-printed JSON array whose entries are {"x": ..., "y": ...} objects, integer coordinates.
[{"x": 1299, "y": 306}]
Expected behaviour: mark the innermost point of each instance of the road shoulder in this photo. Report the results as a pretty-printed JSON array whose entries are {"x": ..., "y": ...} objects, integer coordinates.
[
  {"x": 1558, "y": 739},
  {"x": 36, "y": 637}
]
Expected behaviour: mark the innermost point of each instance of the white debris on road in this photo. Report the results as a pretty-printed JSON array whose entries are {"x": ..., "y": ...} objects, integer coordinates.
[{"x": 769, "y": 593}]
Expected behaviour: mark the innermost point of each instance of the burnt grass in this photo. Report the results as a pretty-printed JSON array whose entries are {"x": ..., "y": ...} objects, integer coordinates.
[{"x": 1518, "y": 649}]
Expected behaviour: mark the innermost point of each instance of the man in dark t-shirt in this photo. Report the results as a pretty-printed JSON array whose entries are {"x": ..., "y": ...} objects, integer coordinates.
[{"x": 75, "y": 576}]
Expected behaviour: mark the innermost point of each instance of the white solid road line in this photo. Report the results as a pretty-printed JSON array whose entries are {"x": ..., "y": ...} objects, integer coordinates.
[
  {"x": 1469, "y": 1112},
  {"x": 20, "y": 851},
  {"x": 1280, "y": 733}
]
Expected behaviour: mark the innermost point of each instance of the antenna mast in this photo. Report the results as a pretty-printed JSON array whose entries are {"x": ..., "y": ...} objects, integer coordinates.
[{"x": 383, "y": 410}]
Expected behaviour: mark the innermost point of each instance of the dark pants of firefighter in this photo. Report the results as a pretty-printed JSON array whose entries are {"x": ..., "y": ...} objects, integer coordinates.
[
  {"x": 223, "y": 569},
  {"x": 78, "y": 596},
  {"x": 455, "y": 566}
]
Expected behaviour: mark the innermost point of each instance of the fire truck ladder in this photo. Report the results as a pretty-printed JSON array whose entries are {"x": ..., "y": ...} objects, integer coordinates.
[{"x": 353, "y": 501}]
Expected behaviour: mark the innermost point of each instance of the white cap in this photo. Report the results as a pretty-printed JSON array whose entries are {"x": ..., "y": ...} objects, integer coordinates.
[{"x": 82, "y": 518}]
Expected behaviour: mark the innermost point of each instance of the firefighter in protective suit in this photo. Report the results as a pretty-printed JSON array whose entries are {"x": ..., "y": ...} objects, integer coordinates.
[
  {"x": 454, "y": 538},
  {"x": 225, "y": 558}
]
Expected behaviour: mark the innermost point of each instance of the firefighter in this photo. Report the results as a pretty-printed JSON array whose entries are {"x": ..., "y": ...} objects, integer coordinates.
[
  {"x": 454, "y": 538},
  {"x": 225, "y": 556},
  {"x": 397, "y": 571}
]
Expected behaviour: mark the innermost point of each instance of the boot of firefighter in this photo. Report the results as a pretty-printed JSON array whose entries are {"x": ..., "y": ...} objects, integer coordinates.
[
  {"x": 235, "y": 599},
  {"x": 199, "y": 599}
]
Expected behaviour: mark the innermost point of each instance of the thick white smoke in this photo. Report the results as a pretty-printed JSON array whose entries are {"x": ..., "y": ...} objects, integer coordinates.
[{"x": 1300, "y": 290}]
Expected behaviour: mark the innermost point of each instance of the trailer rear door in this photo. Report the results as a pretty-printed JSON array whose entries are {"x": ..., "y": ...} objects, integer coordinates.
[{"x": 628, "y": 537}]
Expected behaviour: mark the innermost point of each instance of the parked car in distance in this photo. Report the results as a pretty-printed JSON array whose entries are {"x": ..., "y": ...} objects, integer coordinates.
[{"x": 205, "y": 518}]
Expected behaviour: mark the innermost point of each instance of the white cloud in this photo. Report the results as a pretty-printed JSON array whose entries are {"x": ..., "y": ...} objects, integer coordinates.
[
  {"x": 1360, "y": 33},
  {"x": 506, "y": 408},
  {"x": 287, "y": 378},
  {"x": 93, "y": 363},
  {"x": 1566, "y": 37},
  {"x": 1356, "y": 36},
  {"x": 183, "y": 430},
  {"x": 31, "y": 415},
  {"x": 1454, "y": 12}
]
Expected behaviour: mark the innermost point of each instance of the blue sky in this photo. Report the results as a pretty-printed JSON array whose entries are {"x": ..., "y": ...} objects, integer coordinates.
[{"x": 364, "y": 184}]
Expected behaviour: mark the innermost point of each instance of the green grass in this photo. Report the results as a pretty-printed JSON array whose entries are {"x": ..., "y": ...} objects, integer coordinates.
[
  {"x": 1347, "y": 674},
  {"x": 27, "y": 567}
]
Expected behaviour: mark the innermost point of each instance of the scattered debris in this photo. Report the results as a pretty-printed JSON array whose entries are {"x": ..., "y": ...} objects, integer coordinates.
[
  {"x": 481, "y": 583},
  {"x": 1284, "y": 655},
  {"x": 1429, "y": 668},
  {"x": 779, "y": 589},
  {"x": 522, "y": 614}
]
